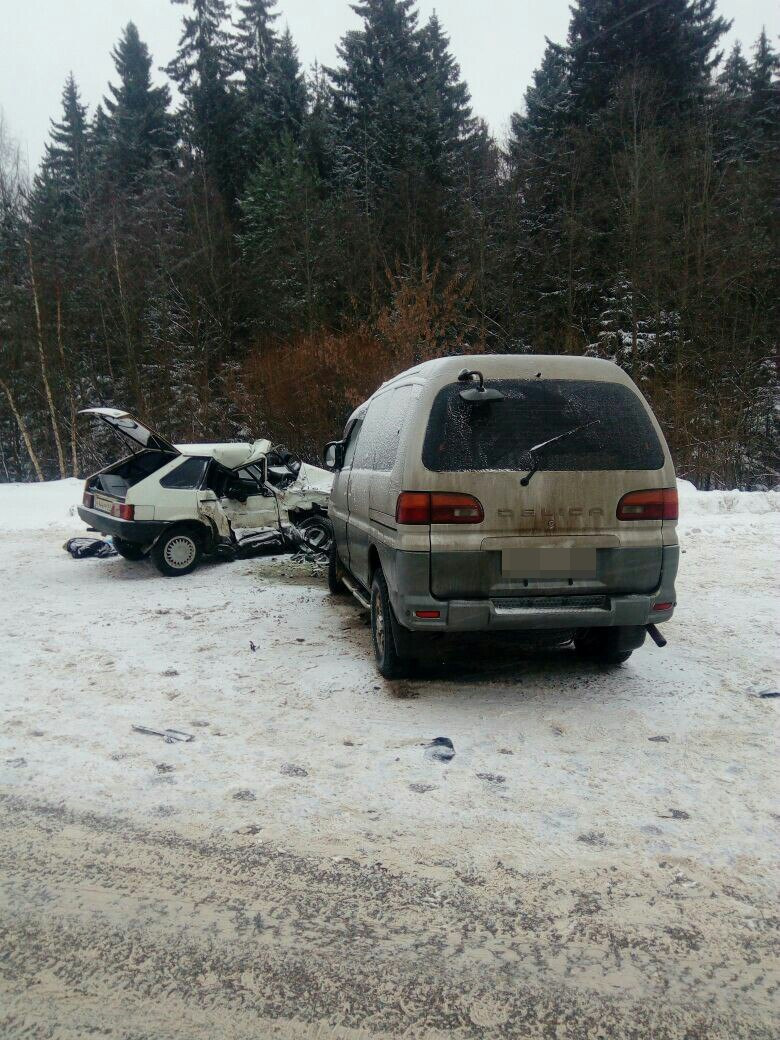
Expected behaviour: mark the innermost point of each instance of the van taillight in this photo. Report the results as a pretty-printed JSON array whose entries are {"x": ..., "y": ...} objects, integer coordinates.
[
  {"x": 413, "y": 507},
  {"x": 124, "y": 512},
  {"x": 438, "y": 507},
  {"x": 89, "y": 500},
  {"x": 659, "y": 504}
]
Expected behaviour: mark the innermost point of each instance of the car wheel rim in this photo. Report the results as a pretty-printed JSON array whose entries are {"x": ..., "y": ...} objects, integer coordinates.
[
  {"x": 379, "y": 625},
  {"x": 317, "y": 537},
  {"x": 180, "y": 552}
]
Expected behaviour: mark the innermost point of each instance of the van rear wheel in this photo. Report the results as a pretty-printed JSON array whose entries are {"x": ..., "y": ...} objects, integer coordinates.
[
  {"x": 390, "y": 663},
  {"x": 609, "y": 646}
]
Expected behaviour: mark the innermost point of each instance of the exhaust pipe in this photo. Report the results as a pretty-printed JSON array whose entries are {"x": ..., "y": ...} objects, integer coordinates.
[{"x": 656, "y": 636}]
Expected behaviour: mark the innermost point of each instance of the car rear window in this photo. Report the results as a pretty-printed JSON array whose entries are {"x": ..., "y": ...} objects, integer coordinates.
[
  {"x": 187, "y": 475},
  {"x": 460, "y": 436}
]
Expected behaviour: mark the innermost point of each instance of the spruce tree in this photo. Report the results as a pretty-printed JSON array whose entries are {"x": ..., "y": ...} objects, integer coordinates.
[
  {"x": 202, "y": 68},
  {"x": 67, "y": 153},
  {"x": 446, "y": 101},
  {"x": 673, "y": 40},
  {"x": 254, "y": 42},
  {"x": 734, "y": 78},
  {"x": 377, "y": 93},
  {"x": 140, "y": 133},
  {"x": 287, "y": 93},
  {"x": 765, "y": 88}
]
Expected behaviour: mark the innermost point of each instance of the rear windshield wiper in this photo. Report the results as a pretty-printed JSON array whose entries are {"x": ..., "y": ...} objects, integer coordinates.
[{"x": 538, "y": 449}]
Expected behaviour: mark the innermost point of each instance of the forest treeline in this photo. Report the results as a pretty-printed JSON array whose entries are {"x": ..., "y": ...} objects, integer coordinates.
[{"x": 258, "y": 257}]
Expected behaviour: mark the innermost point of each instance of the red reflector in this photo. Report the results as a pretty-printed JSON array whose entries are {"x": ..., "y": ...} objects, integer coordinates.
[
  {"x": 431, "y": 614},
  {"x": 124, "y": 512},
  {"x": 450, "y": 508},
  {"x": 413, "y": 507},
  {"x": 88, "y": 500},
  {"x": 663, "y": 606},
  {"x": 657, "y": 504}
]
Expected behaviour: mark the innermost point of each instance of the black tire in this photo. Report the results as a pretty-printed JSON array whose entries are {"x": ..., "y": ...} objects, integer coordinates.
[
  {"x": 317, "y": 532},
  {"x": 335, "y": 584},
  {"x": 390, "y": 663},
  {"x": 129, "y": 550},
  {"x": 176, "y": 552},
  {"x": 602, "y": 645}
]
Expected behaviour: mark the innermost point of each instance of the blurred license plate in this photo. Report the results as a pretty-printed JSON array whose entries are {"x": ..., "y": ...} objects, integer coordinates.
[
  {"x": 548, "y": 563},
  {"x": 103, "y": 504}
]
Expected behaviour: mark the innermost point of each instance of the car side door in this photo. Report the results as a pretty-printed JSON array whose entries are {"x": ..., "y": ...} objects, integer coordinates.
[{"x": 249, "y": 502}]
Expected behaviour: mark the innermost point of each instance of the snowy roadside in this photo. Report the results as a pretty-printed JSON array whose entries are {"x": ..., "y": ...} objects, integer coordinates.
[
  {"x": 638, "y": 804},
  {"x": 301, "y": 736}
]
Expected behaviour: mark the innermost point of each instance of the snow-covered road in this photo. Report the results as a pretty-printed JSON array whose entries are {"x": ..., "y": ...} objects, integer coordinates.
[{"x": 608, "y": 838}]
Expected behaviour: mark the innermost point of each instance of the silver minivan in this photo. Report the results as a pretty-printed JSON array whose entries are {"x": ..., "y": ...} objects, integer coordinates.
[{"x": 524, "y": 493}]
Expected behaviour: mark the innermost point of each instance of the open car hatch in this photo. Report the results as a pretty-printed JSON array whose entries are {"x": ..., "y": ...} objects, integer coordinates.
[{"x": 134, "y": 433}]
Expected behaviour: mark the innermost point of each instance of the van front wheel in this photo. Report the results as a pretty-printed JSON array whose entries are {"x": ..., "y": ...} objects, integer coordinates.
[
  {"x": 335, "y": 585},
  {"x": 390, "y": 663}
]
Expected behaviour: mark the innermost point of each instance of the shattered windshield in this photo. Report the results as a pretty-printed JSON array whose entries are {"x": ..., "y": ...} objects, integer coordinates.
[{"x": 500, "y": 435}]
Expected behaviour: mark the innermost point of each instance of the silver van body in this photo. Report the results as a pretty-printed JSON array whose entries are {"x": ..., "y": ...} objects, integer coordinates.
[{"x": 552, "y": 554}]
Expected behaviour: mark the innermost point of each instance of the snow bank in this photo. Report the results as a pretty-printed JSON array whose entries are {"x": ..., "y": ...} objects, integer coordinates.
[
  {"x": 708, "y": 503},
  {"x": 30, "y": 507}
]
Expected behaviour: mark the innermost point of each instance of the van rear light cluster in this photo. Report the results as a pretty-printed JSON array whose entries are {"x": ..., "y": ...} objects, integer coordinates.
[
  {"x": 438, "y": 507},
  {"x": 659, "y": 504},
  {"x": 89, "y": 500}
]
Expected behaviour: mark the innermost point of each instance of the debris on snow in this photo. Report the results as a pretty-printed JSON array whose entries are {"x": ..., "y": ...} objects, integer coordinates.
[
  {"x": 440, "y": 749},
  {"x": 291, "y": 770},
  {"x": 170, "y": 736}
]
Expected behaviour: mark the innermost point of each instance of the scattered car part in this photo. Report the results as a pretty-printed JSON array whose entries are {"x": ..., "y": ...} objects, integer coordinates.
[{"x": 170, "y": 736}]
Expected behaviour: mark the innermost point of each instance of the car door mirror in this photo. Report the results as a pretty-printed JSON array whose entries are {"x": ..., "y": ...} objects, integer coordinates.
[{"x": 333, "y": 455}]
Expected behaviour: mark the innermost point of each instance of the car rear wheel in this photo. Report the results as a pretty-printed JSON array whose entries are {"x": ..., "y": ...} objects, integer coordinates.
[
  {"x": 176, "y": 552},
  {"x": 130, "y": 550},
  {"x": 391, "y": 664}
]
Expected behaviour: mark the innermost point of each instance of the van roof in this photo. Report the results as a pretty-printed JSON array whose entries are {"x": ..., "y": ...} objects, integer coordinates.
[{"x": 509, "y": 366}]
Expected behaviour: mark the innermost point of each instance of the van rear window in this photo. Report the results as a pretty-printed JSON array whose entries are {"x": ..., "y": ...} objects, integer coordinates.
[{"x": 499, "y": 435}]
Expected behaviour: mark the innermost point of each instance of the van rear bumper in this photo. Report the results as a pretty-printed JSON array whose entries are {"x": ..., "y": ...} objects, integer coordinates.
[{"x": 409, "y": 584}]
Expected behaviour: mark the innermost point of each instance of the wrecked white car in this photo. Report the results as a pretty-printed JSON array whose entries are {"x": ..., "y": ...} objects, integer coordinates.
[{"x": 179, "y": 502}]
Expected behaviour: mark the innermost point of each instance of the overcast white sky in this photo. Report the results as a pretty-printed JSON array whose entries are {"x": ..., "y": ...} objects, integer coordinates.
[{"x": 497, "y": 42}]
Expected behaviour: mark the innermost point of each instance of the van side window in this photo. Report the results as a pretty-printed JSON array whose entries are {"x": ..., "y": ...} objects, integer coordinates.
[
  {"x": 369, "y": 435},
  {"x": 352, "y": 440},
  {"x": 186, "y": 476},
  {"x": 389, "y": 431}
]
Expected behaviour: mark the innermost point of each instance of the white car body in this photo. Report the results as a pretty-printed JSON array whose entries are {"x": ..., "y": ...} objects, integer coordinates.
[{"x": 211, "y": 490}]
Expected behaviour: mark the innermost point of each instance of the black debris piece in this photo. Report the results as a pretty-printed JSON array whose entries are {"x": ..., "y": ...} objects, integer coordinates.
[
  {"x": 440, "y": 749},
  {"x": 83, "y": 548}
]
